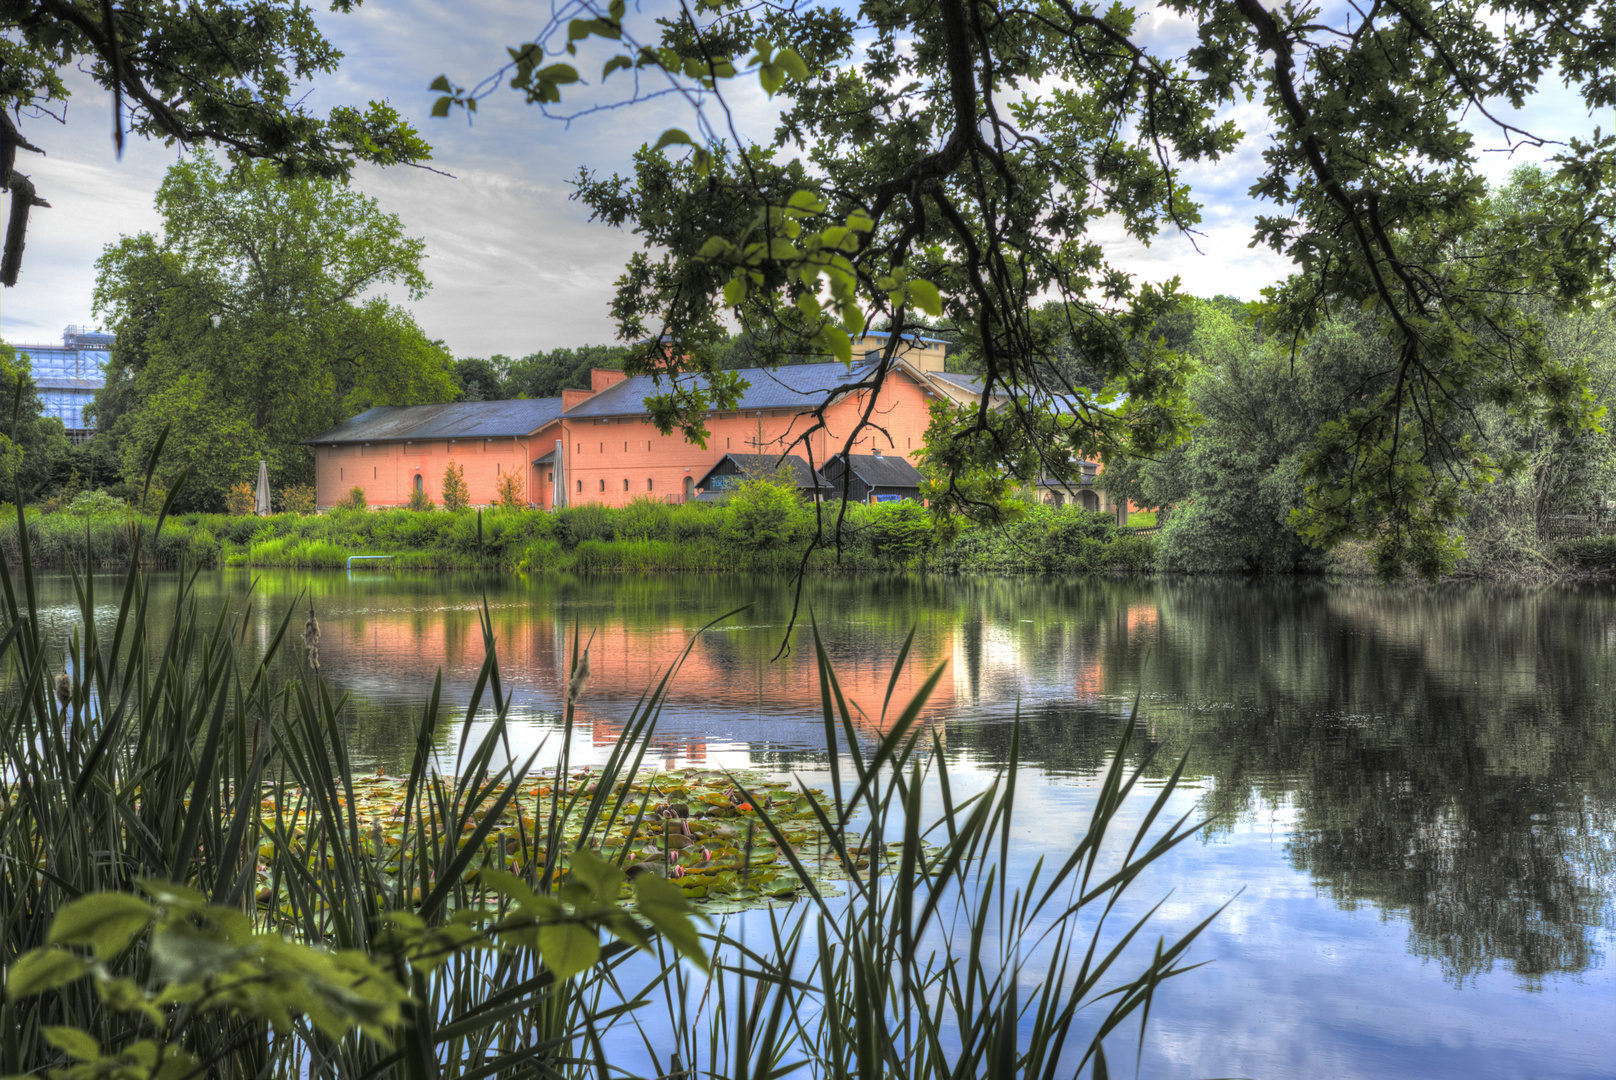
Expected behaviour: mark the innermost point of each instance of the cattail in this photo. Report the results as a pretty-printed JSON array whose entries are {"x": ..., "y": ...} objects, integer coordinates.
[
  {"x": 580, "y": 678},
  {"x": 64, "y": 689}
]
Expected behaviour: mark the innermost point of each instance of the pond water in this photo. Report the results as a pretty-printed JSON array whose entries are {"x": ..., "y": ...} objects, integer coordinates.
[{"x": 1415, "y": 788}]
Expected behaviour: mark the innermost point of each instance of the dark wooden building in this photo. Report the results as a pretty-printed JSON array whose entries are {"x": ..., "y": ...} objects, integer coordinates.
[
  {"x": 875, "y": 477},
  {"x": 733, "y": 470}
]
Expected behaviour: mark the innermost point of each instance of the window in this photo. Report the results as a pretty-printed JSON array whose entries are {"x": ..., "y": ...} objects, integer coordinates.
[
  {"x": 549, "y": 477},
  {"x": 339, "y": 474},
  {"x": 498, "y": 469},
  {"x": 647, "y": 445},
  {"x": 373, "y": 472},
  {"x": 417, "y": 481},
  {"x": 603, "y": 485},
  {"x": 580, "y": 487},
  {"x": 625, "y": 483},
  {"x": 726, "y": 442},
  {"x": 650, "y": 484},
  {"x": 580, "y": 448},
  {"x": 625, "y": 446},
  {"x": 603, "y": 448}
]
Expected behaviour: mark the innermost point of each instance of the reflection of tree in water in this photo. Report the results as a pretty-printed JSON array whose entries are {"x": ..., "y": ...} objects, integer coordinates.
[{"x": 1448, "y": 753}]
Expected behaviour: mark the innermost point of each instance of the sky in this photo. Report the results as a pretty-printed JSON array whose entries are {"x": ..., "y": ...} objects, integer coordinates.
[{"x": 516, "y": 266}]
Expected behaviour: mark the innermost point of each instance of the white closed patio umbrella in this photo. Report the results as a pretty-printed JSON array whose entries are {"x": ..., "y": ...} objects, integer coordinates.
[{"x": 261, "y": 502}]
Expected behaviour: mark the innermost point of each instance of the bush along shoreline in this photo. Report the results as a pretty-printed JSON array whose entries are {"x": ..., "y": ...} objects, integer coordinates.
[{"x": 762, "y": 529}]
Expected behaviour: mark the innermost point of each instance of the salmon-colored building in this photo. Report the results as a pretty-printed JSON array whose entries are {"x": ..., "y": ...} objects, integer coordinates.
[
  {"x": 599, "y": 445},
  {"x": 389, "y": 451}
]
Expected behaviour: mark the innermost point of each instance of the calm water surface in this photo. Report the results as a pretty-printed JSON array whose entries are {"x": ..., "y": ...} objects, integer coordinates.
[{"x": 1416, "y": 789}]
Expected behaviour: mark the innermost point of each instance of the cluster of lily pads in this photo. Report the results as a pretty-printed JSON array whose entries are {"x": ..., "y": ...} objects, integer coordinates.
[{"x": 698, "y": 828}]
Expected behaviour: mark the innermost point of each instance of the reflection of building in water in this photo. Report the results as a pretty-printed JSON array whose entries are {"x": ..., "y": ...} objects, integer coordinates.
[
  {"x": 727, "y": 673},
  {"x": 1141, "y": 618}
]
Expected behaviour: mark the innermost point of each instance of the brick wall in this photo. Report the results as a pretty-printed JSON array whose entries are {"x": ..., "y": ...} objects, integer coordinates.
[
  {"x": 615, "y": 459},
  {"x": 386, "y": 472}
]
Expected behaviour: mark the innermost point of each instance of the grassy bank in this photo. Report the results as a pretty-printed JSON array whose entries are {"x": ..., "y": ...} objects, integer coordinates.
[{"x": 765, "y": 535}]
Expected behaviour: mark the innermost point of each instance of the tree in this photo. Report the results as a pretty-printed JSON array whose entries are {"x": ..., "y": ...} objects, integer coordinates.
[
  {"x": 32, "y": 445},
  {"x": 256, "y": 310},
  {"x": 456, "y": 495},
  {"x": 298, "y": 499},
  {"x": 239, "y": 500},
  {"x": 511, "y": 491},
  {"x": 204, "y": 73},
  {"x": 476, "y": 379},
  {"x": 952, "y": 158},
  {"x": 546, "y": 374},
  {"x": 216, "y": 446},
  {"x": 1236, "y": 486}
]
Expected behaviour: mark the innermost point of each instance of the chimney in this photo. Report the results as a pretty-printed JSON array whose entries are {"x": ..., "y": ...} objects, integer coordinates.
[
  {"x": 601, "y": 378},
  {"x": 876, "y": 450},
  {"x": 571, "y": 399}
]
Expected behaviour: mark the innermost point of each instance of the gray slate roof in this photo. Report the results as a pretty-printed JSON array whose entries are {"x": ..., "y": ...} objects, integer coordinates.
[
  {"x": 882, "y": 471},
  {"x": 765, "y": 464},
  {"x": 792, "y": 386},
  {"x": 966, "y": 382},
  {"x": 458, "y": 420}
]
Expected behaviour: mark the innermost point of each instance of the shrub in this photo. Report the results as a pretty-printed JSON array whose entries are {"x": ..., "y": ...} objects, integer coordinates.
[
  {"x": 419, "y": 500},
  {"x": 695, "y": 521},
  {"x": 456, "y": 495},
  {"x": 1588, "y": 552},
  {"x": 762, "y": 514},
  {"x": 512, "y": 492},
  {"x": 542, "y": 556},
  {"x": 899, "y": 532},
  {"x": 94, "y": 504},
  {"x": 576, "y": 524},
  {"x": 298, "y": 499},
  {"x": 644, "y": 518},
  {"x": 239, "y": 500},
  {"x": 355, "y": 499},
  {"x": 65, "y": 495}
]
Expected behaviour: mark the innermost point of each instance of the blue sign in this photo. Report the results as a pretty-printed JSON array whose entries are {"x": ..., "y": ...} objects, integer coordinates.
[{"x": 886, "y": 498}]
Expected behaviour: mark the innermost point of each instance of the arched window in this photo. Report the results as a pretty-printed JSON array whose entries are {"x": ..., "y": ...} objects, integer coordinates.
[
  {"x": 650, "y": 484},
  {"x": 690, "y": 487},
  {"x": 625, "y": 479},
  {"x": 603, "y": 485},
  {"x": 580, "y": 487},
  {"x": 418, "y": 486},
  {"x": 1091, "y": 501}
]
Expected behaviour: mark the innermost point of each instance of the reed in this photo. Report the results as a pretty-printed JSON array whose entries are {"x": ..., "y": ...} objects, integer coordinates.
[{"x": 185, "y": 760}]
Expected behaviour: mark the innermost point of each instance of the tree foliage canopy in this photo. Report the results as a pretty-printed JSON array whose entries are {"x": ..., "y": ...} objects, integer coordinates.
[
  {"x": 954, "y": 158},
  {"x": 32, "y": 444},
  {"x": 253, "y": 322},
  {"x": 207, "y": 72}
]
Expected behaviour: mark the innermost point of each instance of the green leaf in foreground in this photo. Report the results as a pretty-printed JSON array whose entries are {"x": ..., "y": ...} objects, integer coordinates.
[
  {"x": 106, "y": 922},
  {"x": 41, "y": 970}
]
